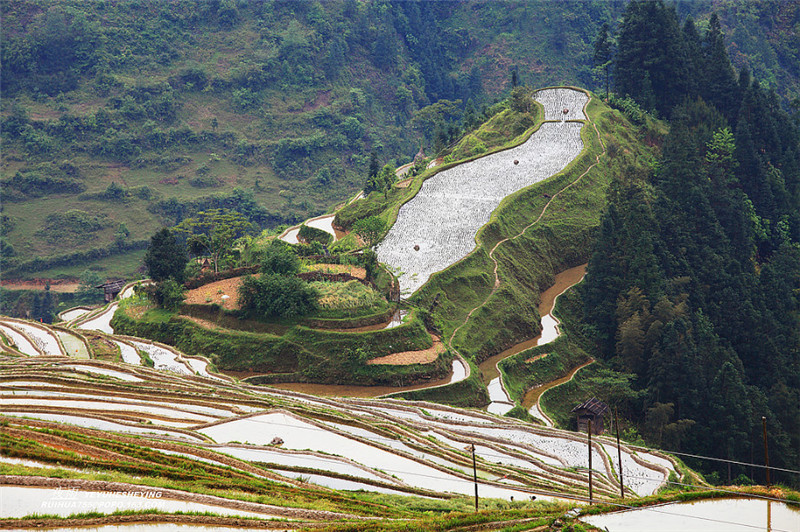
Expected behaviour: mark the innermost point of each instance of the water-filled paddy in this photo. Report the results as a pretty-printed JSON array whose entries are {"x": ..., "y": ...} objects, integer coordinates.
[
  {"x": 19, "y": 501},
  {"x": 43, "y": 338},
  {"x": 129, "y": 353},
  {"x": 163, "y": 358},
  {"x": 437, "y": 227},
  {"x": 101, "y": 322},
  {"x": 24, "y": 345},
  {"x": 300, "y": 435},
  {"x": 74, "y": 346},
  {"x": 74, "y": 313},
  {"x": 104, "y": 371},
  {"x": 101, "y": 424},
  {"x": 77, "y": 404},
  {"x": 719, "y": 515}
]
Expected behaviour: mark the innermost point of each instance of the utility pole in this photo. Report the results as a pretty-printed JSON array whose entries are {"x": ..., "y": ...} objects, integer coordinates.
[
  {"x": 619, "y": 455},
  {"x": 474, "y": 475},
  {"x": 589, "y": 432},
  {"x": 766, "y": 449}
]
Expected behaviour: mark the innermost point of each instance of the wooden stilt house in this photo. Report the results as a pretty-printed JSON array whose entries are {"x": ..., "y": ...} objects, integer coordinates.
[
  {"x": 591, "y": 412},
  {"x": 111, "y": 289}
]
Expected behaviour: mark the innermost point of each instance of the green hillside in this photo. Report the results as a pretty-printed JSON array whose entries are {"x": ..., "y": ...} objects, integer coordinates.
[{"x": 122, "y": 118}]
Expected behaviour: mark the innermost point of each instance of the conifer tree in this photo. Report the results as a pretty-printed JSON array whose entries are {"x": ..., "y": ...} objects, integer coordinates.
[
  {"x": 604, "y": 53},
  {"x": 719, "y": 85}
]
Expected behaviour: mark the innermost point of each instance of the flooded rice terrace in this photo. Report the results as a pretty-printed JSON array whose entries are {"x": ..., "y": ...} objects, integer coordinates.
[
  {"x": 19, "y": 501},
  {"x": 719, "y": 515},
  {"x": 445, "y": 215}
]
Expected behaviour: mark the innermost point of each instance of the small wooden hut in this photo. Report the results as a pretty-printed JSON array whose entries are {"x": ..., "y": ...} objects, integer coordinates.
[
  {"x": 591, "y": 412},
  {"x": 111, "y": 289}
]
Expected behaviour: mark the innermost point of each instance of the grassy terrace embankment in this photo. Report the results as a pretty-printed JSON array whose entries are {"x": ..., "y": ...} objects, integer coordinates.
[
  {"x": 294, "y": 352},
  {"x": 561, "y": 238}
]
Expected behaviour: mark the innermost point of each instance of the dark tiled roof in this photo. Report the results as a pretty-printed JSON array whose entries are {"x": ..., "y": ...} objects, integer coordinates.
[
  {"x": 112, "y": 286},
  {"x": 592, "y": 406}
]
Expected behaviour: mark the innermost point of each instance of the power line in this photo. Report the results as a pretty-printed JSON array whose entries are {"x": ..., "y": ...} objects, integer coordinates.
[
  {"x": 707, "y": 519},
  {"x": 723, "y": 490},
  {"x": 732, "y": 462}
]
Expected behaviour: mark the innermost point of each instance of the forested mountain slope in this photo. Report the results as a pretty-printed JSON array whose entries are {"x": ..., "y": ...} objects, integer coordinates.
[
  {"x": 694, "y": 282},
  {"x": 119, "y": 118}
]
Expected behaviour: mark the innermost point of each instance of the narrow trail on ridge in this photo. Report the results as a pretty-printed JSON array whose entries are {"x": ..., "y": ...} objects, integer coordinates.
[{"x": 498, "y": 281}]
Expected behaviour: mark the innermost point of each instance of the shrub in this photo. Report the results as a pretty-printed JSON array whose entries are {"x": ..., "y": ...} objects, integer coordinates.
[
  {"x": 278, "y": 258},
  {"x": 169, "y": 294},
  {"x": 273, "y": 295},
  {"x": 312, "y": 234}
]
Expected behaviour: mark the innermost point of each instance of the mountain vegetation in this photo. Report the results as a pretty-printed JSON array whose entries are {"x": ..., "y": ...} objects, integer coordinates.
[
  {"x": 692, "y": 287},
  {"x": 223, "y": 119},
  {"x": 145, "y": 113}
]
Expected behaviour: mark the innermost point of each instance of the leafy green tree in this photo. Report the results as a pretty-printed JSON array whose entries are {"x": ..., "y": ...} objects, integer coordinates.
[
  {"x": 278, "y": 258},
  {"x": 87, "y": 293},
  {"x": 165, "y": 258},
  {"x": 169, "y": 294},
  {"x": 521, "y": 99},
  {"x": 434, "y": 116},
  {"x": 277, "y": 296},
  {"x": 121, "y": 235},
  {"x": 214, "y": 232},
  {"x": 382, "y": 181},
  {"x": 374, "y": 166},
  {"x": 370, "y": 229}
]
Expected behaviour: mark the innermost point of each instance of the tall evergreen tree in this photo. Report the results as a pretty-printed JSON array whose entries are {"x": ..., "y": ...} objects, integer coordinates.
[
  {"x": 651, "y": 57},
  {"x": 719, "y": 86},
  {"x": 604, "y": 53},
  {"x": 165, "y": 257}
]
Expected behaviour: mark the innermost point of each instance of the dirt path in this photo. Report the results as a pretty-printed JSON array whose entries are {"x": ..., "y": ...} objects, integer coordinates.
[{"x": 497, "y": 279}]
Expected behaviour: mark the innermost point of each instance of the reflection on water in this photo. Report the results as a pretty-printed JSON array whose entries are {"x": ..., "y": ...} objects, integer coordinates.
[
  {"x": 19, "y": 501},
  {"x": 719, "y": 515},
  {"x": 159, "y": 527},
  {"x": 491, "y": 374}
]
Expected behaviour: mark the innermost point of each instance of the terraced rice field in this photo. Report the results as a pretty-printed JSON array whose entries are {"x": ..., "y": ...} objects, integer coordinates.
[
  {"x": 376, "y": 445},
  {"x": 444, "y": 217}
]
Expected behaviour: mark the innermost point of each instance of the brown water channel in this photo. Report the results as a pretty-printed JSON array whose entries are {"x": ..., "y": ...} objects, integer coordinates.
[
  {"x": 342, "y": 390},
  {"x": 563, "y": 282}
]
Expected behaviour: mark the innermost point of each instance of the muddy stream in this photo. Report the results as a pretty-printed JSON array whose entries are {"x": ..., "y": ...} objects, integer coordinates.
[{"x": 565, "y": 280}]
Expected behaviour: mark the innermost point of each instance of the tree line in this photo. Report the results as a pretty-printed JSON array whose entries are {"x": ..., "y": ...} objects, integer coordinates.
[{"x": 693, "y": 286}]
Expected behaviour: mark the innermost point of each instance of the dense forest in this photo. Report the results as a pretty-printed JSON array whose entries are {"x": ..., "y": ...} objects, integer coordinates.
[
  {"x": 121, "y": 117},
  {"x": 693, "y": 286}
]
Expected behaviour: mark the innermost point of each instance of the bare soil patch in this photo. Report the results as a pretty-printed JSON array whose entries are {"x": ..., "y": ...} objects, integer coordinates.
[
  {"x": 56, "y": 285},
  {"x": 212, "y": 293},
  {"x": 535, "y": 358}
]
